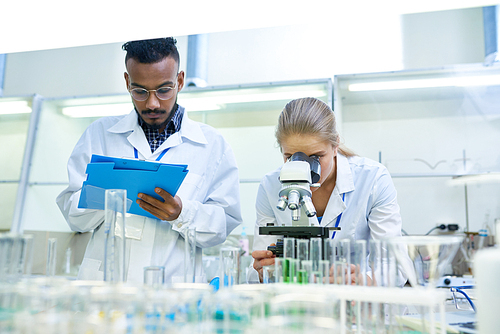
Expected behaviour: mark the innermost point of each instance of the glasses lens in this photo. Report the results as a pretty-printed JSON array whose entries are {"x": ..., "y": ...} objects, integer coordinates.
[
  {"x": 139, "y": 94},
  {"x": 165, "y": 93}
]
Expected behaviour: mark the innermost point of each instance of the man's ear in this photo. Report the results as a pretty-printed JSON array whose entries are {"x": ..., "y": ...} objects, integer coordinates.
[
  {"x": 127, "y": 79},
  {"x": 180, "y": 81}
]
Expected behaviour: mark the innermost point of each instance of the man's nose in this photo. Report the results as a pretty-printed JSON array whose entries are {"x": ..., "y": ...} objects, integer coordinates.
[{"x": 152, "y": 102}]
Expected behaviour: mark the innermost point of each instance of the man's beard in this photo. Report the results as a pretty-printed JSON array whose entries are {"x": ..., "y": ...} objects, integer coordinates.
[{"x": 158, "y": 111}]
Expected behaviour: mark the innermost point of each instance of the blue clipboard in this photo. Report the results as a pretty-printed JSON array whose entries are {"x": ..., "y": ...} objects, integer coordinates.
[{"x": 136, "y": 176}]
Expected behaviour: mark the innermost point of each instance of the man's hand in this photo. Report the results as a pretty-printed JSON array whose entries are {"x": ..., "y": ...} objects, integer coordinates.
[{"x": 169, "y": 209}]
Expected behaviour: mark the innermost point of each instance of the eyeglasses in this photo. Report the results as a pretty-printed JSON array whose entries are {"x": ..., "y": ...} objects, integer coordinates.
[{"x": 163, "y": 93}]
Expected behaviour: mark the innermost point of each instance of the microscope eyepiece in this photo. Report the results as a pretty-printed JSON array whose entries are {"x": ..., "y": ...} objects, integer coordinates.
[{"x": 314, "y": 164}]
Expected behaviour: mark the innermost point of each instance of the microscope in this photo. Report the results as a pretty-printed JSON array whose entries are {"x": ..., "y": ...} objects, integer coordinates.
[{"x": 299, "y": 173}]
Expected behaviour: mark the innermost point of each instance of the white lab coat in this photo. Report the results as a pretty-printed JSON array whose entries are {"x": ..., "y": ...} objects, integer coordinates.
[
  {"x": 369, "y": 209},
  {"x": 209, "y": 194}
]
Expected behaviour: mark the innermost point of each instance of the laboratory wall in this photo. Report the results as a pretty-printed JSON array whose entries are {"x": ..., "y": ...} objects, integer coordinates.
[
  {"x": 438, "y": 146},
  {"x": 297, "y": 52}
]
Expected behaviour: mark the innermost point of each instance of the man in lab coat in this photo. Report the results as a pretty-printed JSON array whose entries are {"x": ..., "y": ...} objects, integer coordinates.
[{"x": 157, "y": 129}]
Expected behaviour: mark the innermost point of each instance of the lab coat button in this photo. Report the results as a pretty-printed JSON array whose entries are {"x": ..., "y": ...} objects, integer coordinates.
[{"x": 179, "y": 225}]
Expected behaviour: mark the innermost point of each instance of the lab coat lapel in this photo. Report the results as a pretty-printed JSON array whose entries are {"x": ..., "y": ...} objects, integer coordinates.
[
  {"x": 129, "y": 126},
  {"x": 344, "y": 184},
  {"x": 189, "y": 130},
  {"x": 334, "y": 208}
]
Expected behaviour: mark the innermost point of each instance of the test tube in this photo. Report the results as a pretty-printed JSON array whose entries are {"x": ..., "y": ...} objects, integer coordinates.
[
  {"x": 289, "y": 248},
  {"x": 114, "y": 230},
  {"x": 229, "y": 265},
  {"x": 375, "y": 262},
  {"x": 316, "y": 252},
  {"x": 27, "y": 257},
  {"x": 293, "y": 267},
  {"x": 360, "y": 262},
  {"x": 324, "y": 266},
  {"x": 378, "y": 267},
  {"x": 16, "y": 259},
  {"x": 288, "y": 253},
  {"x": 154, "y": 276},
  {"x": 50, "y": 269},
  {"x": 3, "y": 257},
  {"x": 190, "y": 255},
  {"x": 302, "y": 255},
  {"x": 328, "y": 249},
  {"x": 268, "y": 274},
  {"x": 344, "y": 262},
  {"x": 304, "y": 276},
  {"x": 10, "y": 252},
  {"x": 302, "y": 249},
  {"x": 281, "y": 269}
]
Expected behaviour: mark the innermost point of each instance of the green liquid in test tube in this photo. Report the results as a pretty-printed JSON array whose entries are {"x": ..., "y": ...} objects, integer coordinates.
[
  {"x": 302, "y": 277},
  {"x": 288, "y": 253}
]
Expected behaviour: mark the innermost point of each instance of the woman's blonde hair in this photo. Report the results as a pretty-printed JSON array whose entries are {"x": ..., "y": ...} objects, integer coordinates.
[{"x": 310, "y": 116}]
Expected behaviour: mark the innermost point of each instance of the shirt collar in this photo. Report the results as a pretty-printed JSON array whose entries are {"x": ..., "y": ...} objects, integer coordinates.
[{"x": 174, "y": 123}]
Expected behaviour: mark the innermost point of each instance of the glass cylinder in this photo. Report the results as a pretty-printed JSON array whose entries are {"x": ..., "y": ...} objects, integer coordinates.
[
  {"x": 190, "y": 255},
  {"x": 50, "y": 268},
  {"x": 230, "y": 266},
  {"x": 114, "y": 230},
  {"x": 154, "y": 276}
]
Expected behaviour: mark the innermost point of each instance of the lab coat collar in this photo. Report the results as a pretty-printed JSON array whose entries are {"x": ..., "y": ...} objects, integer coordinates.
[
  {"x": 343, "y": 184},
  {"x": 189, "y": 130}
]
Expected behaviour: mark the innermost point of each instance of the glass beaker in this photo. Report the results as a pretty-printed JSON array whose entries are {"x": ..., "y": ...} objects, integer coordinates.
[
  {"x": 230, "y": 266},
  {"x": 424, "y": 258},
  {"x": 114, "y": 229}
]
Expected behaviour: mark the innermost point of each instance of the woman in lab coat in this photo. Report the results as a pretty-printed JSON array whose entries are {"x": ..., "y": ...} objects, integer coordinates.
[{"x": 356, "y": 194}]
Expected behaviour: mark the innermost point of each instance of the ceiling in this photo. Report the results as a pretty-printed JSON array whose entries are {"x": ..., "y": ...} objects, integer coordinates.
[{"x": 50, "y": 24}]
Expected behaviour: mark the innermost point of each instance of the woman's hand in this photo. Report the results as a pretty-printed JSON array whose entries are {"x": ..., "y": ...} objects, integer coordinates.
[
  {"x": 352, "y": 279},
  {"x": 262, "y": 258}
]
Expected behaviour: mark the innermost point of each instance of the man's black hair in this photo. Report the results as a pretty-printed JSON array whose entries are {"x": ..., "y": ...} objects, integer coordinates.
[{"x": 151, "y": 50}]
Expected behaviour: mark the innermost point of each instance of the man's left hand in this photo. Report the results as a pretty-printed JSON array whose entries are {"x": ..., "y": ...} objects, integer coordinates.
[{"x": 169, "y": 209}]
